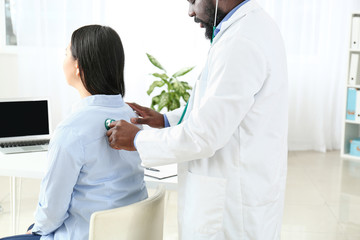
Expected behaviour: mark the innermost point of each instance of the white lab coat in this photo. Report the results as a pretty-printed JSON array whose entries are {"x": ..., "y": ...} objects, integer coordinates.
[{"x": 232, "y": 146}]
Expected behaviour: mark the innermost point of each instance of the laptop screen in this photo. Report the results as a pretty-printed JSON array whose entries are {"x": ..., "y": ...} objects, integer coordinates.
[{"x": 24, "y": 118}]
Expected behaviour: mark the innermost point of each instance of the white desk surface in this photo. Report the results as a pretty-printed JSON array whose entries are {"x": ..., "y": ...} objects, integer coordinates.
[
  {"x": 33, "y": 165},
  {"x": 26, "y": 165}
]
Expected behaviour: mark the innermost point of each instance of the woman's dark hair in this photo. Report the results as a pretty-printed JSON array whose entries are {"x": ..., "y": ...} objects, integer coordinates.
[{"x": 100, "y": 55}]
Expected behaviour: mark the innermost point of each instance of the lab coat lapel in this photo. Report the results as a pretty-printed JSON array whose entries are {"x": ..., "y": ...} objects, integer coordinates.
[
  {"x": 238, "y": 15},
  {"x": 201, "y": 83}
]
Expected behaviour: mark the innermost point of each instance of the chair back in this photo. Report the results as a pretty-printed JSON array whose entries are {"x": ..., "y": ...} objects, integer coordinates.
[{"x": 143, "y": 220}]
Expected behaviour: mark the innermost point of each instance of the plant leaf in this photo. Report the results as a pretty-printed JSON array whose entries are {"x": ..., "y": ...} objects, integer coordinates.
[
  {"x": 154, "y": 85},
  {"x": 177, "y": 95},
  {"x": 186, "y": 96},
  {"x": 163, "y": 76},
  {"x": 179, "y": 87},
  {"x": 175, "y": 103},
  {"x": 164, "y": 100},
  {"x": 155, "y": 62},
  {"x": 182, "y": 72},
  {"x": 186, "y": 85},
  {"x": 171, "y": 79},
  {"x": 155, "y": 101}
]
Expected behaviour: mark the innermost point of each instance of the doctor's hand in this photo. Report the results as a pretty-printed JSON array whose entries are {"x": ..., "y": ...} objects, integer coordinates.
[
  {"x": 147, "y": 116},
  {"x": 121, "y": 135}
]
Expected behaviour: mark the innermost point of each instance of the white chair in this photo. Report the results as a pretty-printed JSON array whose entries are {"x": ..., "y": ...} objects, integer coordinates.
[{"x": 139, "y": 221}]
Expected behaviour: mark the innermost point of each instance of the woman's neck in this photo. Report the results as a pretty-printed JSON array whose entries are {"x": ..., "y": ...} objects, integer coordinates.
[{"x": 82, "y": 91}]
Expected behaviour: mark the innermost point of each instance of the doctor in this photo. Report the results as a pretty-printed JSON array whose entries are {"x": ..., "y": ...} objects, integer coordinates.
[{"x": 231, "y": 145}]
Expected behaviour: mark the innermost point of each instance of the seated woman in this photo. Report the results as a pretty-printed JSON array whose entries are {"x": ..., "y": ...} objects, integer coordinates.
[{"x": 84, "y": 174}]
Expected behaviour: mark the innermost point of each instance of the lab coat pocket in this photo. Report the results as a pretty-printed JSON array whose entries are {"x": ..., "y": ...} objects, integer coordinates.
[{"x": 203, "y": 207}]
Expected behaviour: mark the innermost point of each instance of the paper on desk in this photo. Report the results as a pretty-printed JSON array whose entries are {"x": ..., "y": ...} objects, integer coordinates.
[{"x": 164, "y": 171}]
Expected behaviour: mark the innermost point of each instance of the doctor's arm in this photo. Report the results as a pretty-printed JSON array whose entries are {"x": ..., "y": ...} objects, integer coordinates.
[
  {"x": 237, "y": 72},
  {"x": 123, "y": 134},
  {"x": 65, "y": 156}
]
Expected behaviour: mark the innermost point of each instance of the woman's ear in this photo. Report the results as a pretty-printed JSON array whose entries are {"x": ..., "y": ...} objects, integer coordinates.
[{"x": 77, "y": 69}]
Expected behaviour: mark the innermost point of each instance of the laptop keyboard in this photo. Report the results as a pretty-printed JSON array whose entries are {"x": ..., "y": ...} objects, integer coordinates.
[{"x": 24, "y": 143}]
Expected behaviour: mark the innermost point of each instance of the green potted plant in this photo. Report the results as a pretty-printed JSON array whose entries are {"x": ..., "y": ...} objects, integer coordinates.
[{"x": 174, "y": 89}]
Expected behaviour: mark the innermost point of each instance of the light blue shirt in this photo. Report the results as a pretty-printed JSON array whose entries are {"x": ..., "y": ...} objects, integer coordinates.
[{"x": 84, "y": 174}]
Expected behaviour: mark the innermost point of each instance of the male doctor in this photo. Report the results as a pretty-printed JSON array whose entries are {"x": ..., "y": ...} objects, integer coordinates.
[{"x": 231, "y": 146}]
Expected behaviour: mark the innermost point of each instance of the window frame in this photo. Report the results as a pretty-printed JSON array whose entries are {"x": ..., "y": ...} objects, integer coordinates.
[{"x": 4, "y": 48}]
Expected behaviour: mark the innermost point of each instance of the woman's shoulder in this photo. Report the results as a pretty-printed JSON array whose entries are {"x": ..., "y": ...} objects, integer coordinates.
[
  {"x": 73, "y": 125},
  {"x": 89, "y": 122}
]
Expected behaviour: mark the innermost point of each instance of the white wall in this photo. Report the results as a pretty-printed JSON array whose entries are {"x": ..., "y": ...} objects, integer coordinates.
[
  {"x": 8, "y": 75},
  {"x": 44, "y": 31}
]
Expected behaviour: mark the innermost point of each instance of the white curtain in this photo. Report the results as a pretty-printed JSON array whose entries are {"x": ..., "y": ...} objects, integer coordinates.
[
  {"x": 316, "y": 34},
  {"x": 43, "y": 31}
]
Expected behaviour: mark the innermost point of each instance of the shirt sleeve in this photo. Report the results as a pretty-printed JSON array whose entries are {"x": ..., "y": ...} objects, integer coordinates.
[
  {"x": 65, "y": 158},
  {"x": 166, "y": 121},
  {"x": 237, "y": 72}
]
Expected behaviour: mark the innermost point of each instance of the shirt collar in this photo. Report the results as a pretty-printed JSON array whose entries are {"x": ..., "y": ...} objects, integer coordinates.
[
  {"x": 100, "y": 100},
  {"x": 227, "y": 17}
]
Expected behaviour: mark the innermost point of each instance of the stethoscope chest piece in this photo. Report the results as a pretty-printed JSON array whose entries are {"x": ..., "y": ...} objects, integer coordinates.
[{"x": 107, "y": 123}]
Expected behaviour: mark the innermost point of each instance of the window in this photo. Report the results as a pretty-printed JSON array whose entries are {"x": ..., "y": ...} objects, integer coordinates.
[
  {"x": 8, "y": 40},
  {"x": 10, "y": 32}
]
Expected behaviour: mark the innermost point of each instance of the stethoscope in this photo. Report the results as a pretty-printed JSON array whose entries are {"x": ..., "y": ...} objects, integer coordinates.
[
  {"x": 214, "y": 27},
  {"x": 107, "y": 123},
  {"x": 212, "y": 38}
]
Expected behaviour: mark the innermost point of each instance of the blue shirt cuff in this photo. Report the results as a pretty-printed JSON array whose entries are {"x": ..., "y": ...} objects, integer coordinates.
[
  {"x": 166, "y": 121},
  {"x": 135, "y": 138}
]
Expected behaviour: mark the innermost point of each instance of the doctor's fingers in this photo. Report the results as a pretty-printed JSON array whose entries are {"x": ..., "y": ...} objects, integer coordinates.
[
  {"x": 113, "y": 142},
  {"x": 113, "y": 124},
  {"x": 112, "y": 134},
  {"x": 135, "y": 106},
  {"x": 139, "y": 110},
  {"x": 113, "y": 139},
  {"x": 145, "y": 120},
  {"x": 119, "y": 142},
  {"x": 109, "y": 132}
]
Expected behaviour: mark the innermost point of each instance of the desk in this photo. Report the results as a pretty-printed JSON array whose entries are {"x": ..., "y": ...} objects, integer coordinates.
[
  {"x": 33, "y": 165},
  {"x": 17, "y": 166}
]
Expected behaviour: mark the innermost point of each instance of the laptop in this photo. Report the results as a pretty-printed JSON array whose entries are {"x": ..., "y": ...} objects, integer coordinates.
[{"x": 24, "y": 125}]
